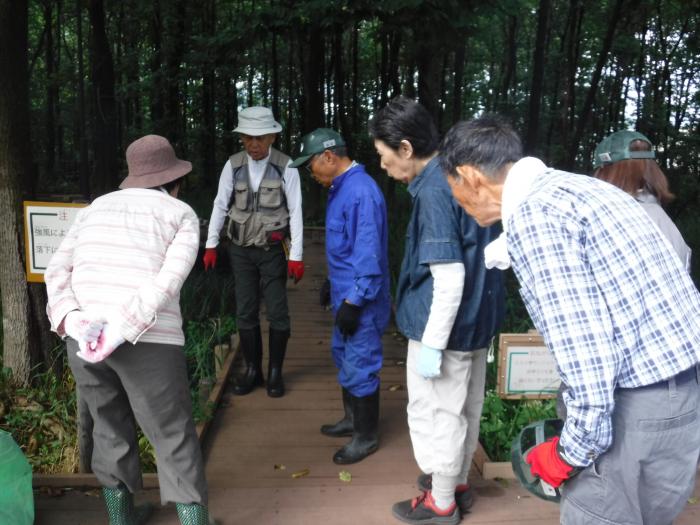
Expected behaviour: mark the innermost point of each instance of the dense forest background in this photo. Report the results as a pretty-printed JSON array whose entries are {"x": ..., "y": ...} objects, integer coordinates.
[{"x": 81, "y": 79}]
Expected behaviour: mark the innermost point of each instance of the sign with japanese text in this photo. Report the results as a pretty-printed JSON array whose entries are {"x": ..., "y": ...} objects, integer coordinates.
[
  {"x": 526, "y": 368},
  {"x": 45, "y": 226}
]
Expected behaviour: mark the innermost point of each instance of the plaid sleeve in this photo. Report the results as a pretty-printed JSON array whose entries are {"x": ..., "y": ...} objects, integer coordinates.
[{"x": 561, "y": 293}]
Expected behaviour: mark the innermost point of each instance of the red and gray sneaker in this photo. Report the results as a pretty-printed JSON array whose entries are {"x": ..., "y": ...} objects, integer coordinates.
[
  {"x": 422, "y": 510},
  {"x": 464, "y": 496}
]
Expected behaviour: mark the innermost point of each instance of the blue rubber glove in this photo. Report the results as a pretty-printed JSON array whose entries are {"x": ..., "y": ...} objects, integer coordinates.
[{"x": 428, "y": 361}]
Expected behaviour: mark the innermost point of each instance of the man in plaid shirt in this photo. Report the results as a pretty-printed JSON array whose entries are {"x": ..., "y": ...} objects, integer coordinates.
[{"x": 617, "y": 310}]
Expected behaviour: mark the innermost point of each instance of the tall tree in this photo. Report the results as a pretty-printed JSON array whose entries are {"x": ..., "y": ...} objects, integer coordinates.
[
  {"x": 14, "y": 166},
  {"x": 105, "y": 110}
]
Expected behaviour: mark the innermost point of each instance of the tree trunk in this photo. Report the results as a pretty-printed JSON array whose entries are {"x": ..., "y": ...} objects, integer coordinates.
[
  {"x": 14, "y": 165},
  {"x": 83, "y": 168},
  {"x": 460, "y": 57},
  {"x": 313, "y": 102},
  {"x": 339, "y": 79},
  {"x": 105, "y": 110},
  {"x": 51, "y": 93},
  {"x": 614, "y": 19},
  {"x": 533, "y": 121}
]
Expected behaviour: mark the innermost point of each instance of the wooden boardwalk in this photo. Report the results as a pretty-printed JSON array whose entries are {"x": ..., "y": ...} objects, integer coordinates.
[{"x": 256, "y": 444}]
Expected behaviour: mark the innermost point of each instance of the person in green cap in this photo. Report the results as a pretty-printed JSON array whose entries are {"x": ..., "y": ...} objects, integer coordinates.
[
  {"x": 626, "y": 160},
  {"x": 358, "y": 271}
]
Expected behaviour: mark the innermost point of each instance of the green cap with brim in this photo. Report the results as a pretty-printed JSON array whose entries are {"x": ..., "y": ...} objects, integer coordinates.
[
  {"x": 316, "y": 142},
  {"x": 616, "y": 147}
]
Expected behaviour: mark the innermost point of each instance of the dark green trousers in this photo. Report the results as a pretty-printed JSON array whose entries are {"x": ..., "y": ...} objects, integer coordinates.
[{"x": 260, "y": 271}]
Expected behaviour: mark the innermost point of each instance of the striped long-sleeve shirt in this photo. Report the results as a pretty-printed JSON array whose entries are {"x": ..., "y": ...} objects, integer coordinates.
[
  {"x": 610, "y": 296},
  {"x": 126, "y": 257}
]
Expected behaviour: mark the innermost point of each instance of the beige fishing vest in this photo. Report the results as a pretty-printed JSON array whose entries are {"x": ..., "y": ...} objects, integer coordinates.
[{"x": 254, "y": 215}]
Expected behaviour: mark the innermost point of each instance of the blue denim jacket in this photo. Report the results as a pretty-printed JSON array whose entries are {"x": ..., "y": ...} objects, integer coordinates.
[
  {"x": 357, "y": 242},
  {"x": 439, "y": 231}
]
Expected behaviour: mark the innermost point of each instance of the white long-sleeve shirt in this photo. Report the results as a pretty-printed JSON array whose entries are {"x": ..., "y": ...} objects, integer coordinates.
[
  {"x": 126, "y": 257},
  {"x": 448, "y": 284},
  {"x": 256, "y": 170}
]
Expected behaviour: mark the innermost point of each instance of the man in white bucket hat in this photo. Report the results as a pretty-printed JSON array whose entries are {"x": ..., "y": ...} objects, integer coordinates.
[{"x": 261, "y": 196}]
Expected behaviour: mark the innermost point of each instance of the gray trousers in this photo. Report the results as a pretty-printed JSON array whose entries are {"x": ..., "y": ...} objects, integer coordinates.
[
  {"x": 648, "y": 474},
  {"x": 147, "y": 381}
]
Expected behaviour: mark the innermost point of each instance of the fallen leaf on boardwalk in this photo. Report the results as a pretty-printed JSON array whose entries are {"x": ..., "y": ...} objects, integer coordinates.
[
  {"x": 394, "y": 388},
  {"x": 279, "y": 466},
  {"x": 693, "y": 501},
  {"x": 301, "y": 473},
  {"x": 344, "y": 475},
  {"x": 52, "y": 492},
  {"x": 400, "y": 362}
]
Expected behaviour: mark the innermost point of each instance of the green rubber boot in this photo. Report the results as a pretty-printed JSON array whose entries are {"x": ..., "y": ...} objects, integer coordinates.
[
  {"x": 192, "y": 514},
  {"x": 121, "y": 509}
]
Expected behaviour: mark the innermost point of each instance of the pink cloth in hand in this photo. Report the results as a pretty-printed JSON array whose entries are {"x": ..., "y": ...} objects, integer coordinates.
[{"x": 110, "y": 339}]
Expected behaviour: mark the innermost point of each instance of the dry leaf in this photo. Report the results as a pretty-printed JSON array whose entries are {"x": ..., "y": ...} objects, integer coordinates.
[
  {"x": 301, "y": 473},
  {"x": 279, "y": 466},
  {"x": 693, "y": 501},
  {"x": 394, "y": 388},
  {"x": 344, "y": 475}
]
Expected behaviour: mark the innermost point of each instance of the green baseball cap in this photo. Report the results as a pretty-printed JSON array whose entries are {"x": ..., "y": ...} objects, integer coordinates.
[
  {"x": 616, "y": 147},
  {"x": 316, "y": 142}
]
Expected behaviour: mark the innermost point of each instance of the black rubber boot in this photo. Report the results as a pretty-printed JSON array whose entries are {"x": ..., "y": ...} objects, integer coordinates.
[
  {"x": 342, "y": 428},
  {"x": 278, "y": 347},
  {"x": 251, "y": 345},
  {"x": 365, "y": 437},
  {"x": 121, "y": 509}
]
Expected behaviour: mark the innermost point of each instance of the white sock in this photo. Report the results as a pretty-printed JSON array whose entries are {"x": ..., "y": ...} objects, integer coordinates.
[{"x": 444, "y": 490}]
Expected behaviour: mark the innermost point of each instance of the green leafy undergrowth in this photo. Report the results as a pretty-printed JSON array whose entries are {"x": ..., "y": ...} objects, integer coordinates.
[
  {"x": 42, "y": 419},
  {"x": 503, "y": 419}
]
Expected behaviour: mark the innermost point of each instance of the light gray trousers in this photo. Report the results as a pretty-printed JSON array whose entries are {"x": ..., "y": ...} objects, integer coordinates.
[
  {"x": 648, "y": 474},
  {"x": 147, "y": 381}
]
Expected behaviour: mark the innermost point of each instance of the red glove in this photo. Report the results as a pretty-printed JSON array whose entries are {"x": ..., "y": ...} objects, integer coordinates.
[
  {"x": 546, "y": 463},
  {"x": 276, "y": 236},
  {"x": 209, "y": 258},
  {"x": 295, "y": 270}
]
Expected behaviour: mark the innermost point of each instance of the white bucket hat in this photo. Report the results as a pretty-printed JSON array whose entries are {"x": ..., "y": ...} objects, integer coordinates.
[{"x": 256, "y": 121}]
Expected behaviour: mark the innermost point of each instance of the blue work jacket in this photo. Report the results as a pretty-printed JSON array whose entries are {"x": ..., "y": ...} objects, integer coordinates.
[
  {"x": 357, "y": 242},
  {"x": 440, "y": 231}
]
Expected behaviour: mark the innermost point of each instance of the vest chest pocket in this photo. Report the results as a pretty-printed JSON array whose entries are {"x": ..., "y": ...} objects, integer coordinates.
[
  {"x": 240, "y": 197},
  {"x": 270, "y": 193}
]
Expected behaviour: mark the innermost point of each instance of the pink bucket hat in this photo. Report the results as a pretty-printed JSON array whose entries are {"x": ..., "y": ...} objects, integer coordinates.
[{"x": 152, "y": 162}]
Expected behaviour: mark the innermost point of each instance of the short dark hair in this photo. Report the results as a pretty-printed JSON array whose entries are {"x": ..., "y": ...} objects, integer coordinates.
[
  {"x": 168, "y": 186},
  {"x": 405, "y": 119},
  {"x": 488, "y": 143}
]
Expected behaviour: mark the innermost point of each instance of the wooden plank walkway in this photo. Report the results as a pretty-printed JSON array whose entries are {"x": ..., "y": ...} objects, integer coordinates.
[{"x": 252, "y": 434}]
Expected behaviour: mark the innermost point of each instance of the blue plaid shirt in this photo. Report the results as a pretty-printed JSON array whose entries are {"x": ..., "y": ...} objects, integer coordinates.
[{"x": 607, "y": 292}]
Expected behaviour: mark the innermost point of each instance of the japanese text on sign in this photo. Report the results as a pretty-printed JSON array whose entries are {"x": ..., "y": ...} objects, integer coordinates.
[{"x": 45, "y": 226}]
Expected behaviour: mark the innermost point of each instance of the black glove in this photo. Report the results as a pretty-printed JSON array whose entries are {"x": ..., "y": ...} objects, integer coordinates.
[
  {"x": 348, "y": 318},
  {"x": 324, "y": 296}
]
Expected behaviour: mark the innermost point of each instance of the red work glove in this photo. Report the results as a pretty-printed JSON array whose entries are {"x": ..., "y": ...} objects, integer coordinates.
[
  {"x": 546, "y": 463},
  {"x": 209, "y": 258},
  {"x": 276, "y": 236},
  {"x": 295, "y": 270}
]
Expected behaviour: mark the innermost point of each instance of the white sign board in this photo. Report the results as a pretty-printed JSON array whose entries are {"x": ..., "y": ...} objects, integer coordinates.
[
  {"x": 526, "y": 368},
  {"x": 45, "y": 226}
]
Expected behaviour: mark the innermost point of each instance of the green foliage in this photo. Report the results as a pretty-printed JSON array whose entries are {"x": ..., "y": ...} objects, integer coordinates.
[
  {"x": 502, "y": 420},
  {"x": 42, "y": 420}
]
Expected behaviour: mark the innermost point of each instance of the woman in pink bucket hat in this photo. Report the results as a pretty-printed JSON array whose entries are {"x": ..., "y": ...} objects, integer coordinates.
[{"x": 114, "y": 291}]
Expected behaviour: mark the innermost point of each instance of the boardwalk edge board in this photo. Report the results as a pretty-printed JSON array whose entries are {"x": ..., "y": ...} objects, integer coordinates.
[{"x": 150, "y": 480}]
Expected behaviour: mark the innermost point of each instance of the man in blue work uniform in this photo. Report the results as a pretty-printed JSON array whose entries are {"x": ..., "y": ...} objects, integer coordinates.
[{"x": 356, "y": 250}]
